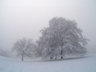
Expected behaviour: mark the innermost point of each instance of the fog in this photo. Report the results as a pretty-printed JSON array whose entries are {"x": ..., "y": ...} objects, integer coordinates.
[{"x": 25, "y": 18}]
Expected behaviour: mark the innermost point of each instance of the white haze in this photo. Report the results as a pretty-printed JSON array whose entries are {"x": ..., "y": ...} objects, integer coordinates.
[{"x": 25, "y": 18}]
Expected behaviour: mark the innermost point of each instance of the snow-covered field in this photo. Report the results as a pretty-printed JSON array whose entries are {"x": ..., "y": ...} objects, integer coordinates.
[{"x": 87, "y": 64}]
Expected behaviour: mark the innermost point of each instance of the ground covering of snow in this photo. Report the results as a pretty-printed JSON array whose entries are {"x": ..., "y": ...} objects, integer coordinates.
[{"x": 87, "y": 64}]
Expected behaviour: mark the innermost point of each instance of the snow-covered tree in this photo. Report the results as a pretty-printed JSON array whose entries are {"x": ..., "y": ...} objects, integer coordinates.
[
  {"x": 24, "y": 47},
  {"x": 32, "y": 49},
  {"x": 62, "y": 35},
  {"x": 20, "y": 47},
  {"x": 5, "y": 53}
]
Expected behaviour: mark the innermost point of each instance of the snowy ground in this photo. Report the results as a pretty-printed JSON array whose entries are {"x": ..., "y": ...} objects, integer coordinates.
[{"x": 87, "y": 64}]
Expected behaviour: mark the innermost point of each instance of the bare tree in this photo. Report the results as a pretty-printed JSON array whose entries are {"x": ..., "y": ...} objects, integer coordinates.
[
  {"x": 20, "y": 47},
  {"x": 25, "y": 47}
]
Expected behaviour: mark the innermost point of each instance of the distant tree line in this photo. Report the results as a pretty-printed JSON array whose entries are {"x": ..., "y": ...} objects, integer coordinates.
[{"x": 60, "y": 39}]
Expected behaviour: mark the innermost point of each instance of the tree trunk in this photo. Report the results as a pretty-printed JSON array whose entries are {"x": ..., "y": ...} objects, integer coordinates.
[
  {"x": 61, "y": 57},
  {"x": 61, "y": 53},
  {"x": 22, "y": 58}
]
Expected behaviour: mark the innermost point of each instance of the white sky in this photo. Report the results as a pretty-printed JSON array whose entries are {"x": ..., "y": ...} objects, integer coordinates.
[{"x": 25, "y": 18}]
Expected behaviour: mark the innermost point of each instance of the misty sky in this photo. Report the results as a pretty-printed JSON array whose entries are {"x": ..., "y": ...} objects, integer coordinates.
[{"x": 25, "y": 18}]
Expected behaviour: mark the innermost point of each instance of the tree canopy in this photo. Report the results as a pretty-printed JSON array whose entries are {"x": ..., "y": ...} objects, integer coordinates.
[{"x": 63, "y": 34}]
